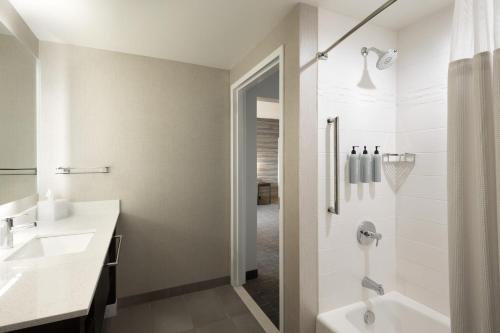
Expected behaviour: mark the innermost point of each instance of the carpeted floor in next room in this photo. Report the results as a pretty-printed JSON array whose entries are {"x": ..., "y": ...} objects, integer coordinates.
[{"x": 265, "y": 288}]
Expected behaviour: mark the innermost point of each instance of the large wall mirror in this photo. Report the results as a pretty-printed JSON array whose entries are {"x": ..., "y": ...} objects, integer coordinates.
[{"x": 18, "y": 173}]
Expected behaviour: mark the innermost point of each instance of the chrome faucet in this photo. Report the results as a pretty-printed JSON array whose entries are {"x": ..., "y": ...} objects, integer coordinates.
[
  {"x": 367, "y": 233},
  {"x": 370, "y": 284},
  {"x": 7, "y": 230}
]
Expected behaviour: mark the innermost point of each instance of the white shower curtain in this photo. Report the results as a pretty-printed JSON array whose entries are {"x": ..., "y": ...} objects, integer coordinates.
[{"x": 474, "y": 167}]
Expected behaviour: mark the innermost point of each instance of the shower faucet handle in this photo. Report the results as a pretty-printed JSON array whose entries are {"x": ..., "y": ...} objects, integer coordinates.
[
  {"x": 372, "y": 235},
  {"x": 367, "y": 233}
]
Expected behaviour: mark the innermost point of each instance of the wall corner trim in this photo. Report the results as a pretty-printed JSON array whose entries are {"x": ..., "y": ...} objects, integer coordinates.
[{"x": 18, "y": 27}]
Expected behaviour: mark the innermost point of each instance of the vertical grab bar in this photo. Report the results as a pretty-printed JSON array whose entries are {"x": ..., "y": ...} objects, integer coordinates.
[{"x": 335, "y": 123}]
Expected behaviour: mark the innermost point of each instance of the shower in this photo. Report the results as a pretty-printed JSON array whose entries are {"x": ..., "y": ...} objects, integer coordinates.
[{"x": 385, "y": 59}]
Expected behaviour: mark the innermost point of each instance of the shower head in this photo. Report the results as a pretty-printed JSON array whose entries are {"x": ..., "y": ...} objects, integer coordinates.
[{"x": 385, "y": 59}]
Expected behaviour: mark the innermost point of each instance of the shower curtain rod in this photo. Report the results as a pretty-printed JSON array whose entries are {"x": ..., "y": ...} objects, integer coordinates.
[{"x": 324, "y": 55}]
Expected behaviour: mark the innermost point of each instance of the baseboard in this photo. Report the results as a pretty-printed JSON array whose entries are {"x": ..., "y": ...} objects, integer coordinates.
[
  {"x": 111, "y": 310},
  {"x": 156, "y": 295},
  {"x": 253, "y": 274}
]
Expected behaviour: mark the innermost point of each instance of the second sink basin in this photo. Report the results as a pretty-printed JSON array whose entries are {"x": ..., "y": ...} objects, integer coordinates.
[{"x": 45, "y": 246}]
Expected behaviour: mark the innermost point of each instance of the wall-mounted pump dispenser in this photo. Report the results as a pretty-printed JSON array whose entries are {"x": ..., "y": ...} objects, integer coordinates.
[
  {"x": 377, "y": 166},
  {"x": 354, "y": 166},
  {"x": 366, "y": 167}
]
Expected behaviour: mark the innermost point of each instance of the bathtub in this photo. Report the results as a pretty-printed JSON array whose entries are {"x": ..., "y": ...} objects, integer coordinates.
[{"x": 394, "y": 313}]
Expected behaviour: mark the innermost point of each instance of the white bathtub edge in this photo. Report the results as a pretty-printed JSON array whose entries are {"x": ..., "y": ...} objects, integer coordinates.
[{"x": 335, "y": 321}]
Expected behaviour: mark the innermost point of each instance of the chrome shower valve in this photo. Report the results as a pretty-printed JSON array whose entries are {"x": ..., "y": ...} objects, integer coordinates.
[{"x": 367, "y": 233}]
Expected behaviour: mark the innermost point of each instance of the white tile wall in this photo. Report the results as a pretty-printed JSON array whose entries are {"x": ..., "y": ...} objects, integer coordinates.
[
  {"x": 421, "y": 207},
  {"x": 406, "y": 112},
  {"x": 367, "y": 117}
]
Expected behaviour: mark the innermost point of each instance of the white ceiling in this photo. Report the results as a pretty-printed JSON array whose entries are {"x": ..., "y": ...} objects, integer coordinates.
[
  {"x": 399, "y": 15},
  {"x": 216, "y": 33}
]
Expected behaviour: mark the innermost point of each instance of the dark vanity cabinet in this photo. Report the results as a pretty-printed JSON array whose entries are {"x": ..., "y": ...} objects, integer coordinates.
[{"x": 105, "y": 294}]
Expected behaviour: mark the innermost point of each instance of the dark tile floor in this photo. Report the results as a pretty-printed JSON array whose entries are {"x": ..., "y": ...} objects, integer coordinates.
[
  {"x": 217, "y": 310},
  {"x": 265, "y": 289}
]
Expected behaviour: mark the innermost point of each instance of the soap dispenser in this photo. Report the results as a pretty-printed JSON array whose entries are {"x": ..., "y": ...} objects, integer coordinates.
[
  {"x": 366, "y": 167},
  {"x": 353, "y": 166},
  {"x": 376, "y": 166}
]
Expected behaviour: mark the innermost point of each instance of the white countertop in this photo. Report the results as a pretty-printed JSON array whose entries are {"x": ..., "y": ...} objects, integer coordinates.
[{"x": 48, "y": 289}]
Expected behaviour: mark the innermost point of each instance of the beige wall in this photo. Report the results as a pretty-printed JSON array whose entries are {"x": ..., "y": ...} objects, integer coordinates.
[
  {"x": 16, "y": 25},
  {"x": 163, "y": 127},
  {"x": 308, "y": 168},
  {"x": 300, "y": 305},
  {"x": 17, "y": 118}
]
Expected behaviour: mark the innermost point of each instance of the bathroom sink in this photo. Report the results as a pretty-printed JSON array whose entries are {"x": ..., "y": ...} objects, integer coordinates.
[{"x": 54, "y": 245}]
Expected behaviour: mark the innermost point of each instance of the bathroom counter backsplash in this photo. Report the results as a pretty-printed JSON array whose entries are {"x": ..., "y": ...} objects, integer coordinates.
[{"x": 35, "y": 290}]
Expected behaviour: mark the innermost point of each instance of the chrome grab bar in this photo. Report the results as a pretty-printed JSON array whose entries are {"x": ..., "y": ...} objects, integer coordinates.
[
  {"x": 115, "y": 263},
  {"x": 335, "y": 123},
  {"x": 69, "y": 170}
]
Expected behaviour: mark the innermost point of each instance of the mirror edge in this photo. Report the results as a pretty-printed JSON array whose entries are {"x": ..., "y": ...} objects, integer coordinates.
[{"x": 11, "y": 19}]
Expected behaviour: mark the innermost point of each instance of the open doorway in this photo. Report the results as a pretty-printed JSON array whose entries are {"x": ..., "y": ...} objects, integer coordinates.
[
  {"x": 257, "y": 116},
  {"x": 263, "y": 263}
]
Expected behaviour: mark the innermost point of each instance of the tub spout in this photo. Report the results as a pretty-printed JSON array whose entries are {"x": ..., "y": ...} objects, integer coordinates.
[{"x": 370, "y": 284}]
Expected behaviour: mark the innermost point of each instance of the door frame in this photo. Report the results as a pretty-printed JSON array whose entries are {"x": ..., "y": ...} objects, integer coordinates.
[{"x": 238, "y": 181}]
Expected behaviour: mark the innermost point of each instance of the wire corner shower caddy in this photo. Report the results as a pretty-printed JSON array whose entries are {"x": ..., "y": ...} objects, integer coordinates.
[{"x": 397, "y": 168}]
